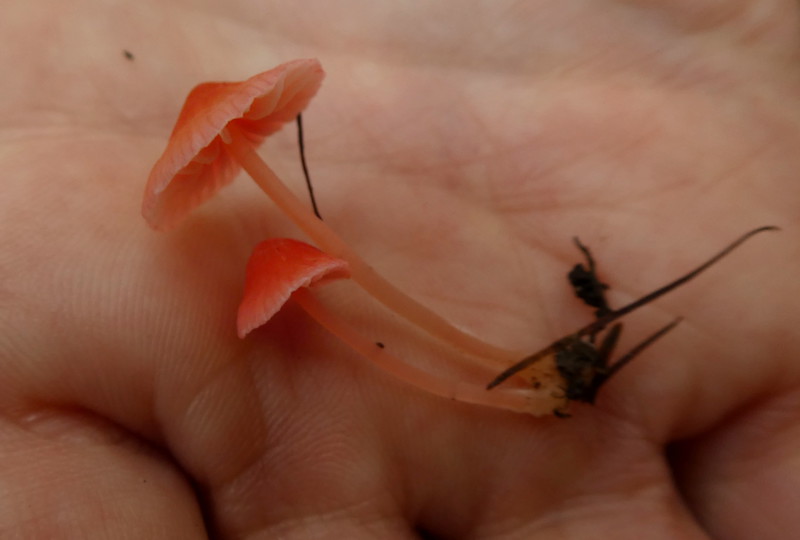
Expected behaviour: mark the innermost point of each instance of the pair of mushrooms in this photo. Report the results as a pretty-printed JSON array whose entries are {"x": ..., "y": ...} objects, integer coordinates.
[{"x": 216, "y": 135}]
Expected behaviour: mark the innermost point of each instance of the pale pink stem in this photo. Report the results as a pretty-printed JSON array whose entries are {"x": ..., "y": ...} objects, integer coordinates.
[
  {"x": 537, "y": 403},
  {"x": 363, "y": 274}
]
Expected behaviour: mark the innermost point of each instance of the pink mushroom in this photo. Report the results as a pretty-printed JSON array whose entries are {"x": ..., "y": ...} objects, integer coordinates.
[
  {"x": 278, "y": 267},
  {"x": 217, "y": 133},
  {"x": 283, "y": 269}
]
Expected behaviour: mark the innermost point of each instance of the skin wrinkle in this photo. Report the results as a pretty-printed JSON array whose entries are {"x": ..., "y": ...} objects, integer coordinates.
[
  {"x": 440, "y": 54},
  {"x": 779, "y": 416},
  {"x": 245, "y": 485},
  {"x": 292, "y": 509},
  {"x": 686, "y": 16},
  {"x": 427, "y": 502},
  {"x": 345, "y": 523},
  {"x": 568, "y": 515},
  {"x": 193, "y": 417},
  {"x": 561, "y": 167}
]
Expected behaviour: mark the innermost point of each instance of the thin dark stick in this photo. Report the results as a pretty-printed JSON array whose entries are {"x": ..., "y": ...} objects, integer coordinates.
[
  {"x": 630, "y": 355},
  {"x": 302, "y": 146},
  {"x": 602, "y": 322}
]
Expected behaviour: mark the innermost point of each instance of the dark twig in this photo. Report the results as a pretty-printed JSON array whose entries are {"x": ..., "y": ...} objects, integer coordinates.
[
  {"x": 600, "y": 323},
  {"x": 302, "y": 146}
]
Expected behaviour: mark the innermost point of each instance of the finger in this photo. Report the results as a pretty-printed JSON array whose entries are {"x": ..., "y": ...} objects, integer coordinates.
[
  {"x": 741, "y": 478},
  {"x": 69, "y": 474}
]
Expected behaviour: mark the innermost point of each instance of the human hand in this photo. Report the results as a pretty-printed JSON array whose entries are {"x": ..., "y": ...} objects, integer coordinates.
[{"x": 459, "y": 151}]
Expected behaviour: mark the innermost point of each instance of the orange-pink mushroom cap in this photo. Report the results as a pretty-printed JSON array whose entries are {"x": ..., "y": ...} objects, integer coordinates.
[
  {"x": 277, "y": 268},
  {"x": 196, "y": 162}
]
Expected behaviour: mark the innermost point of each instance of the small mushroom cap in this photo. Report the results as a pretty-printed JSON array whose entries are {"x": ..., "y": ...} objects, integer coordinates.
[
  {"x": 196, "y": 163},
  {"x": 277, "y": 268}
]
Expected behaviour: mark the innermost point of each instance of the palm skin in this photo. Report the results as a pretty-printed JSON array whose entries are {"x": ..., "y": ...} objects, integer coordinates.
[{"x": 459, "y": 151}]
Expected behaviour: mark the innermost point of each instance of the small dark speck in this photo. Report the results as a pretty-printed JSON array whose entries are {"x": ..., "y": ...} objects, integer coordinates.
[
  {"x": 128, "y": 54},
  {"x": 379, "y": 344}
]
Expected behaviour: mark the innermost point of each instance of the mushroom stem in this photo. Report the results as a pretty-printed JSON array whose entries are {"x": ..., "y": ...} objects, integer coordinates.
[
  {"x": 537, "y": 403},
  {"x": 362, "y": 273}
]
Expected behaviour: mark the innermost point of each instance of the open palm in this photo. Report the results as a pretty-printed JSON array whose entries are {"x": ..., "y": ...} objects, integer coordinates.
[{"x": 459, "y": 151}]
